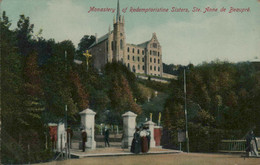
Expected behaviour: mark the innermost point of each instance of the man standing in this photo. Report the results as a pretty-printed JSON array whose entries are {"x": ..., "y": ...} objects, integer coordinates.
[
  {"x": 106, "y": 137},
  {"x": 84, "y": 139},
  {"x": 69, "y": 136}
]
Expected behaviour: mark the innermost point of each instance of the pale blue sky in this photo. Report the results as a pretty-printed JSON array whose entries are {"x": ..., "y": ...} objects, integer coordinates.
[{"x": 185, "y": 37}]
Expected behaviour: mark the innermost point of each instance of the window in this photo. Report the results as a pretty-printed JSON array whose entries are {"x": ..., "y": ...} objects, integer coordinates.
[
  {"x": 159, "y": 69},
  {"x": 128, "y": 57},
  {"x": 128, "y": 49},
  {"x": 150, "y": 52},
  {"x": 133, "y": 50},
  {"x": 138, "y": 51},
  {"x": 151, "y": 60},
  {"x": 133, "y": 68},
  {"x": 121, "y": 34},
  {"x": 133, "y": 58},
  {"x": 158, "y": 61},
  {"x": 154, "y": 60},
  {"x": 155, "y": 45},
  {"x": 128, "y": 65},
  {"x": 154, "y": 53},
  {"x": 121, "y": 44},
  {"x": 143, "y": 67},
  {"x": 142, "y": 52},
  {"x": 142, "y": 59},
  {"x": 138, "y": 67},
  {"x": 151, "y": 68},
  {"x": 158, "y": 54},
  {"x": 154, "y": 68},
  {"x": 138, "y": 59},
  {"x": 112, "y": 45}
]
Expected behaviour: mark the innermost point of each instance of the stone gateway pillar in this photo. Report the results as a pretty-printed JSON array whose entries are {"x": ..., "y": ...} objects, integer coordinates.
[
  {"x": 88, "y": 123},
  {"x": 128, "y": 128},
  {"x": 150, "y": 125}
]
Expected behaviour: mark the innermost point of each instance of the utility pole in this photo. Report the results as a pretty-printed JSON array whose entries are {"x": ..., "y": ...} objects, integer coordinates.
[
  {"x": 185, "y": 109},
  {"x": 66, "y": 108}
]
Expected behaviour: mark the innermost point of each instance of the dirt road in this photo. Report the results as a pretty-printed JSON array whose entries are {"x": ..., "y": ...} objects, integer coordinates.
[{"x": 165, "y": 159}]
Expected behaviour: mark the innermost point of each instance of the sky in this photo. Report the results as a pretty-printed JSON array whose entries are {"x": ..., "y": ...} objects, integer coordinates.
[{"x": 185, "y": 37}]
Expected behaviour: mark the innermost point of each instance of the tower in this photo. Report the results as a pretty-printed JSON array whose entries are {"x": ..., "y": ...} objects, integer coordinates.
[{"x": 119, "y": 43}]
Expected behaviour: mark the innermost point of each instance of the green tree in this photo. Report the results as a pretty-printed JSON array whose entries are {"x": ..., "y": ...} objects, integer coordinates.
[{"x": 24, "y": 33}]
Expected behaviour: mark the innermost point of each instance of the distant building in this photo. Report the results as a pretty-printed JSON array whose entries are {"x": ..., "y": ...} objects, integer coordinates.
[
  {"x": 256, "y": 63},
  {"x": 144, "y": 58}
]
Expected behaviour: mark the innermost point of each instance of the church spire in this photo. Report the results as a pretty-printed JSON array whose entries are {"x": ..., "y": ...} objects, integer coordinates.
[{"x": 118, "y": 12}]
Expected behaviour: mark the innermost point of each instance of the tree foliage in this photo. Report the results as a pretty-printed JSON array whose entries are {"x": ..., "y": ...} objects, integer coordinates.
[{"x": 221, "y": 97}]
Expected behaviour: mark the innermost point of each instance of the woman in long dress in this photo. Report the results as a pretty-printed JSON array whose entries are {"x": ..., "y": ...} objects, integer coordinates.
[
  {"x": 136, "y": 142},
  {"x": 144, "y": 141}
]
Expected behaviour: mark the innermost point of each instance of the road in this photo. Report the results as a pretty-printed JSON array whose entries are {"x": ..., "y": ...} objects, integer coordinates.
[{"x": 165, "y": 159}]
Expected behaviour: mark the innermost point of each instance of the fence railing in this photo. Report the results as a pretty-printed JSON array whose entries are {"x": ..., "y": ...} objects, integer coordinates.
[{"x": 232, "y": 146}]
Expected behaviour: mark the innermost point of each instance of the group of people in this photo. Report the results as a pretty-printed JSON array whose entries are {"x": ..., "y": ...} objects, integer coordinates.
[{"x": 141, "y": 140}]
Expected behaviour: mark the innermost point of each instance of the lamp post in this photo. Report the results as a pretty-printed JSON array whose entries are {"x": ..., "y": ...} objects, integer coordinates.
[{"x": 185, "y": 110}]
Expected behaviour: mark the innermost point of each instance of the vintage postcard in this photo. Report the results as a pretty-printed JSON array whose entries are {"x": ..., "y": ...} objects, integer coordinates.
[{"x": 130, "y": 81}]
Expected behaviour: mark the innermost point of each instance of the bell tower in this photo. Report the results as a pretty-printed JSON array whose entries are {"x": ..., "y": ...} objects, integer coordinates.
[{"x": 119, "y": 50}]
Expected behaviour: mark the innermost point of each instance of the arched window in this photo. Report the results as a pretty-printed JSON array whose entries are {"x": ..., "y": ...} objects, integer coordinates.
[
  {"x": 154, "y": 68},
  {"x": 133, "y": 68},
  {"x": 143, "y": 67},
  {"x": 138, "y": 67},
  {"x": 128, "y": 65},
  {"x": 159, "y": 69},
  {"x": 154, "y": 60},
  {"x": 133, "y": 58},
  {"x": 150, "y": 52},
  {"x": 142, "y": 52},
  {"x": 142, "y": 59},
  {"x": 128, "y": 57},
  {"x": 151, "y": 68},
  {"x": 151, "y": 60},
  {"x": 158, "y": 61},
  {"x": 121, "y": 44},
  {"x": 138, "y": 59},
  {"x": 133, "y": 50},
  {"x": 138, "y": 51},
  {"x": 128, "y": 49}
]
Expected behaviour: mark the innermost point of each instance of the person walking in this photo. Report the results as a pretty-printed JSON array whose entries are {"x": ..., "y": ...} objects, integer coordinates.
[
  {"x": 106, "y": 137},
  {"x": 84, "y": 139}
]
